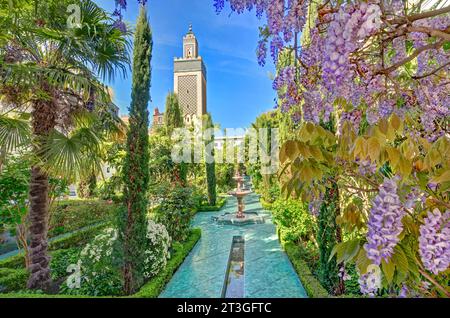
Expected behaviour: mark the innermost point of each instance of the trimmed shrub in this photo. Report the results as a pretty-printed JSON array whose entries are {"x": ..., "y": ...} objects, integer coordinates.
[
  {"x": 312, "y": 286},
  {"x": 71, "y": 215},
  {"x": 61, "y": 260},
  {"x": 151, "y": 289},
  {"x": 13, "y": 279},
  {"x": 14, "y": 262},
  {"x": 219, "y": 205},
  {"x": 76, "y": 239},
  {"x": 293, "y": 219},
  {"x": 179, "y": 252}
]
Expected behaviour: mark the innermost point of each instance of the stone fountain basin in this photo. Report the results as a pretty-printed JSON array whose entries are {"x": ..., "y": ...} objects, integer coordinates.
[
  {"x": 240, "y": 194},
  {"x": 231, "y": 219}
]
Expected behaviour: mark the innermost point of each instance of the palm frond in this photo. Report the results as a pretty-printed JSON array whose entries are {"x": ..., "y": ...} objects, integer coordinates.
[
  {"x": 73, "y": 156},
  {"x": 97, "y": 44},
  {"x": 15, "y": 132},
  {"x": 80, "y": 82},
  {"x": 29, "y": 74}
]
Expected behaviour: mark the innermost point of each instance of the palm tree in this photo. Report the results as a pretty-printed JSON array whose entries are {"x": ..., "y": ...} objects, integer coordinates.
[{"x": 49, "y": 70}]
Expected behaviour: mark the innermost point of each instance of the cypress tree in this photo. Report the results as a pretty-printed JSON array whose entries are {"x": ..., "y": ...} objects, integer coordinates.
[
  {"x": 210, "y": 162},
  {"x": 173, "y": 118},
  {"x": 133, "y": 223}
]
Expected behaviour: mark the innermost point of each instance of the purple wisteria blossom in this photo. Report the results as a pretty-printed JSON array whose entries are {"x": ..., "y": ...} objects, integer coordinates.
[
  {"x": 414, "y": 197},
  {"x": 353, "y": 117},
  {"x": 404, "y": 292},
  {"x": 286, "y": 86},
  {"x": 385, "y": 223},
  {"x": 120, "y": 6},
  {"x": 261, "y": 52},
  {"x": 434, "y": 241},
  {"x": 366, "y": 167},
  {"x": 370, "y": 282},
  {"x": 120, "y": 25},
  {"x": 286, "y": 76}
]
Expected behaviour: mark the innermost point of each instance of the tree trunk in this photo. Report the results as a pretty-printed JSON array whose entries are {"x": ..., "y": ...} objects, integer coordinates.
[
  {"x": 39, "y": 267},
  {"x": 43, "y": 122},
  {"x": 22, "y": 240}
]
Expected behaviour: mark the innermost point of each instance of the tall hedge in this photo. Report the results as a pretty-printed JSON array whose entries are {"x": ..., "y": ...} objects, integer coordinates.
[
  {"x": 133, "y": 222},
  {"x": 210, "y": 162}
]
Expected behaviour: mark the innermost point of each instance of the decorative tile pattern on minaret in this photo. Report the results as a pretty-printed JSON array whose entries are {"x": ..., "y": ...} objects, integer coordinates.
[
  {"x": 190, "y": 79},
  {"x": 187, "y": 88}
]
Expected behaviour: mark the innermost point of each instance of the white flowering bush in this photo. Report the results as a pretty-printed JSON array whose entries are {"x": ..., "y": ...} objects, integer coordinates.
[
  {"x": 100, "y": 270},
  {"x": 157, "y": 252},
  {"x": 100, "y": 261}
]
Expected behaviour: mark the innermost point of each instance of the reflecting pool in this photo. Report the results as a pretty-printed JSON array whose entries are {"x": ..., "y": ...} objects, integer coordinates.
[{"x": 268, "y": 272}]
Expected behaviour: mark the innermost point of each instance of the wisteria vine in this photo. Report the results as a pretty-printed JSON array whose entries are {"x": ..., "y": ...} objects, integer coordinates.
[
  {"x": 364, "y": 61},
  {"x": 121, "y": 5},
  {"x": 344, "y": 58}
]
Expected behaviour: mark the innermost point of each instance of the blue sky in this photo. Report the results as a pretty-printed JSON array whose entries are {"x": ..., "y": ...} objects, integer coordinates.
[{"x": 238, "y": 88}]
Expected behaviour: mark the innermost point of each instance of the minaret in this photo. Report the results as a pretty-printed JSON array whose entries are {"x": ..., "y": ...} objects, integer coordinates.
[{"x": 190, "y": 79}]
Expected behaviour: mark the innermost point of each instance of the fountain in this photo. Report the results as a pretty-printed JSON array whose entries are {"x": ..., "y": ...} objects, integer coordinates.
[
  {"x": 240, "y": 194},
  {"x": 240, "y": 217}
]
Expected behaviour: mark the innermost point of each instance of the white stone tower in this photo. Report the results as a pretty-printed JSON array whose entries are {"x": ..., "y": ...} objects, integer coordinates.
[{"x": 190, "y": 79}]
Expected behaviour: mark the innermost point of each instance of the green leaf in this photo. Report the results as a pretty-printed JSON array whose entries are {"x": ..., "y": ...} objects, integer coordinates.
[
  {"x": 400, "y": 260},
  {"x": 345, "y": 251},
  {"x": 351, "y": 250},
  {"x": 374, "y": 148},
  {"x": 446, "y": 45},
  {"x": 289, "y": 151},
  {"x": 359, "y": 148},
  {"x": 405, "y": 167},
  {"x": 388, "y": 270},
  {"x": 445, "y": 177},
  {"x": 14, "y": 133},
  {"x": 395, "y": 122},
  {"x": 394, "y": 156},
  {"x": 362, "y": 262}
]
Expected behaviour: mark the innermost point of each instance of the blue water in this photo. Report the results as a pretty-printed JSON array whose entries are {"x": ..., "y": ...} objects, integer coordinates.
[{"x": 268, "y": 271}]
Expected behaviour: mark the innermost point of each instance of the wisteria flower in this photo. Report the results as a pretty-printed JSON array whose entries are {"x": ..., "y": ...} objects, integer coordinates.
[
  {"x": 385, "y": 223},
  {"x": 434, "y": 241}
]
